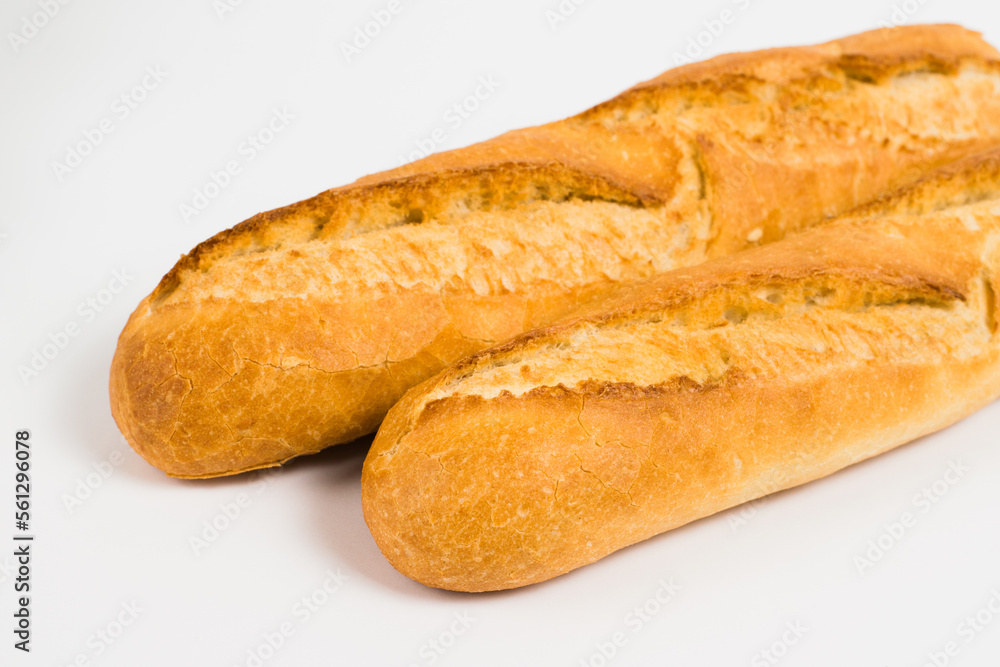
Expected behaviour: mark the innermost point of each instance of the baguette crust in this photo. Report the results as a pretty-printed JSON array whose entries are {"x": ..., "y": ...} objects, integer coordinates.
[
  {"x": 695, "y": 391},
  {"x": 300, "y": 327}
]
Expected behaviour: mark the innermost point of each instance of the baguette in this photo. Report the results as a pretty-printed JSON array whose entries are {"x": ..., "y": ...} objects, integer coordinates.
[
  {"x": 300, "y": 327},
  {"x": 695, "y": 391}
]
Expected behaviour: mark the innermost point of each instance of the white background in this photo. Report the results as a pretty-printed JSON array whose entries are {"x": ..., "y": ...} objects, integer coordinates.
[{"x": 792, "y": 559}]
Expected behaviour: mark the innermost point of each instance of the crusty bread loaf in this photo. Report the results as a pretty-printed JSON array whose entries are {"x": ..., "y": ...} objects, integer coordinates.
[
  {"x": 300, "y": 327},
  {"x": 696, "y": 391}
]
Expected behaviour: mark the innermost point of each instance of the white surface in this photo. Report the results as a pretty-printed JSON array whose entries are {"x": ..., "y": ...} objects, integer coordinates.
[{"x": 792, "y": 561}]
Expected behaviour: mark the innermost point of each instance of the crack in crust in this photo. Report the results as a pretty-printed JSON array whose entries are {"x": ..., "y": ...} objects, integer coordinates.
[
  {"x": 446, "y": 196},
  {"x": 764, "y": 295}
]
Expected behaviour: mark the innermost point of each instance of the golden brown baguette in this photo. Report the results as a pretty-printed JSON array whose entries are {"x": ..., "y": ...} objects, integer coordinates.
[
  {"x": 300, "y": 327},
  {"x": 696, "y": 391}
]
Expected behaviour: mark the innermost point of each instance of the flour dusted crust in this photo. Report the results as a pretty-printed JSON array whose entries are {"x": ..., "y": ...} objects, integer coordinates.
[
  {"x": 697, "y": 390},
  {"x": 300, "y": 327}
]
